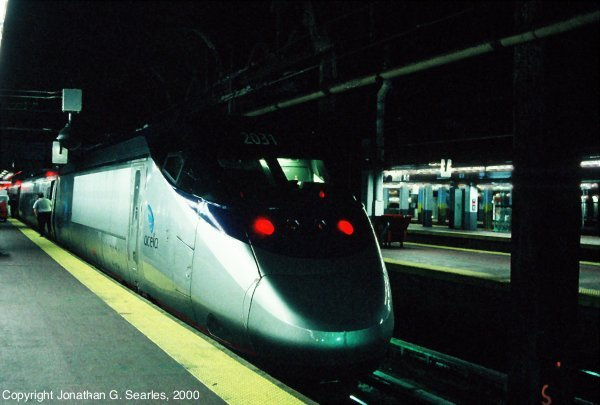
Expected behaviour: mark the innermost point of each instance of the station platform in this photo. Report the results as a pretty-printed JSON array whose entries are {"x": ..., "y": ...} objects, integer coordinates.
[
  {"x": 69, "y": 332},
  {"x": 479, "y": 265},
  {"x": 416, "y": 228},
  {"x": 456, "y": 299},
  {"x": 486, "y": 240}
]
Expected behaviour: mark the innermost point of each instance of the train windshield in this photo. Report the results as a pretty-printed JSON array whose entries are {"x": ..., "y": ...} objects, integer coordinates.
[
  {"x": 267, "y": 172},
  {"x": 228, "y": 176},
  {"x": 304, "y": 170}
]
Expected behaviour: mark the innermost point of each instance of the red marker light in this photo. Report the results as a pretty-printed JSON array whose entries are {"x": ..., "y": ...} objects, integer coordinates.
[
  {"x": 321, "y": 194},
  {"x": 345, "y": 227},
  {"x": 263, "y": 226}
]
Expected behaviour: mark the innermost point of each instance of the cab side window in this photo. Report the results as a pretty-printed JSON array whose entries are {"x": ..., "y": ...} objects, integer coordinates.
[
  {"x": 188, "y": 181},
  {"x": 172, "y": 167}
]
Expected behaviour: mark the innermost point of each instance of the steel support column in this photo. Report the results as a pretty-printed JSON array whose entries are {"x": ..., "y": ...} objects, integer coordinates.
[{"x": 545, "y": 223}]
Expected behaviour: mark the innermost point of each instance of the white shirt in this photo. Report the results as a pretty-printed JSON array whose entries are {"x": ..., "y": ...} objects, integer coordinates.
[{"x": 42, "y": 205}]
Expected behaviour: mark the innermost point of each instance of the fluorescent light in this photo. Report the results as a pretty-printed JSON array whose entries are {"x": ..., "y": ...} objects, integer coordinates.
[
  {"x": 469, "y": 169},
  {"x": 590, "y": 163},
  {"x": 3, "y": 7},
  {"x": 408, "y": 170},
  {"x": 499, "y": 168}
]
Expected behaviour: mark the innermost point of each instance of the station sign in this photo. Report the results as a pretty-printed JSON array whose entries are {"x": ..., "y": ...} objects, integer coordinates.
[
  {"x": 445, "y": 168},
  {"x": 71, "y": 100},
  {"x": 473, "y": 195}
]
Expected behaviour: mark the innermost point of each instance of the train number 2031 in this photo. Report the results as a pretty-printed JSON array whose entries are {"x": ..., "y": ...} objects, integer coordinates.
[{"x": 252, "y": 138}]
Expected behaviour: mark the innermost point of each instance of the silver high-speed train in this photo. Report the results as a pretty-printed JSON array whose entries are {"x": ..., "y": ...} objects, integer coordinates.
[{"x": 239, "y": 235}]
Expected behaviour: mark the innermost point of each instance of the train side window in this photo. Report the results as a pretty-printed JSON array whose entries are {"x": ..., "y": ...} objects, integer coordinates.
[{"x": 172, "y": 167}]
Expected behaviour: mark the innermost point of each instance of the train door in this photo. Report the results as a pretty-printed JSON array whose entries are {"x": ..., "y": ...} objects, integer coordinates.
[
  {"x": 181, "y": 261},
  {"x": 133, "y": 241},
  {"x": 182, "y": 269},
  {"x": 52, "y": 197}
]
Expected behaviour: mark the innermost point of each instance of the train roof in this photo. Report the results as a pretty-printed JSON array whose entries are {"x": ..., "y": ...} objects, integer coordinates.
[
  {"x": 134, "y": 148},
  {"x": 205, "y": 135},
  {"x": 236, "y": 135}
]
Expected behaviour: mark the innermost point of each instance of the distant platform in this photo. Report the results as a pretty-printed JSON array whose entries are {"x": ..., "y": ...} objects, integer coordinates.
[
  {"x": 486, "y": 240},
  {"x": 457, "y": 301},
  {"x": 476, "y": 266}
]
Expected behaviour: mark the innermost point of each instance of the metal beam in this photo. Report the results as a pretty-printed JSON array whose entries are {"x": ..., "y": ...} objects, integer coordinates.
[{"x": 438, "y": 60}]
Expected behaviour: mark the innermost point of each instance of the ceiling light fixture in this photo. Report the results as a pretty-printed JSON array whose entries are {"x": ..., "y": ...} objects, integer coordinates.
[{"x": 3, "y": 8}]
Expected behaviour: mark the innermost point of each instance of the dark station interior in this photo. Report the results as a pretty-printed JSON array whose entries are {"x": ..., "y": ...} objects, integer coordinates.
[{"x": 459, "y": 137}]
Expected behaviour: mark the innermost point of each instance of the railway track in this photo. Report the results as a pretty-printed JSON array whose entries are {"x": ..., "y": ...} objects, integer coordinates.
[
  {"x": 415, "y": 375},
  {"x": 420, "y": 375}
]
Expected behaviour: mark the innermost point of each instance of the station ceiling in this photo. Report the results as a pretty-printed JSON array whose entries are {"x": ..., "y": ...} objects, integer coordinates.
[{"x": 137, "y": 60}]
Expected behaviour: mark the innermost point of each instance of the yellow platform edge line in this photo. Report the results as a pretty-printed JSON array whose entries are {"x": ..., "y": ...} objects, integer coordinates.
[
  {"x": 226, "y": 377},
  {"x": 444, "y": 269},
  {"x": 489, "y": 252},
  {"x": 592, "y": 292}
]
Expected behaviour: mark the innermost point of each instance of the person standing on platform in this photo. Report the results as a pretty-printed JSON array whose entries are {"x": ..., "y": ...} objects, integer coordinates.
[{"x": 42, "y": 208}]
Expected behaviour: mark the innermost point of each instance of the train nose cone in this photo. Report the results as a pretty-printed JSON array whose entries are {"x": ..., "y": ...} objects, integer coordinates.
[{"x": 326, "y": 320}]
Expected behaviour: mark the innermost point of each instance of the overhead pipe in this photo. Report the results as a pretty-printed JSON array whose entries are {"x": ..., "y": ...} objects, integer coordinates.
[
  {"x": 487, "y": 47},
  {"x": 32, "y": 94},
  {"x": 383, "y": 91}
]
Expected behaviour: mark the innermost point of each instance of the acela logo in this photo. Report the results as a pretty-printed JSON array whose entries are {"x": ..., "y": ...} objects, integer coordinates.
[
  {"x": 150, "y": 218},
  {"x": 150, "y": 240}
]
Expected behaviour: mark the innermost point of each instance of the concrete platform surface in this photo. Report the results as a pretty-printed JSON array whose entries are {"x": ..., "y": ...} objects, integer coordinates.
[
  {"x": 69, "y": 331},
  {"x": 477, "y": 263},
  {"x": 585, "y": 240}
]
